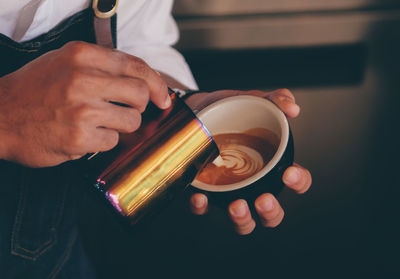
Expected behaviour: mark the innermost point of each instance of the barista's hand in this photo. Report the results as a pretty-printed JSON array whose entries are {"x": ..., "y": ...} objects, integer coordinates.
[
  {"x": 58, "y": 107},
  {"x": 295, "y": 177}
]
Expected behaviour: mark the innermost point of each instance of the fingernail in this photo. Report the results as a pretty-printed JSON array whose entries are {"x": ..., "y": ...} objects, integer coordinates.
[
  {"x": 292, "y": 176},
  {"x": 238, "y": 210},
  {"x": 200, "y": 202},
  {"x": 167, "y": 102},
  {"x": 266, "y": 205}
]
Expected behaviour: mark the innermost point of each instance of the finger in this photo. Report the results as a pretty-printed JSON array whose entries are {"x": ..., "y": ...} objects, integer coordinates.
[
  {"x": 285, "y": 93},
  {"x": 118, "y": 63},
  {"x": 121, "y": 119},
  {"x": 297, "y": 178},
  {"x": 131, "y": 66},
  {"x": 107, "y": 139},
  {"x": 198, "y": 204},
  {"x": 285, "y": 100},
  {"x": 133, "y": 92},
  {"x": 241, "y": 217},
  {"x": 96, "y": 140},
  {"x": 136, "y": 67},
  {"x": 269, "y": 210}
]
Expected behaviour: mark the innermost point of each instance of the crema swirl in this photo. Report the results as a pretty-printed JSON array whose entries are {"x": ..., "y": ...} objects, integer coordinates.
[
  {"x": 240, "y": 159},
  {"x": 242, "y": 156}
]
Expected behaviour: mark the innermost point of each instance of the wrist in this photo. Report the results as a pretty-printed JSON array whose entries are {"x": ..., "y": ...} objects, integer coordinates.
[
  {"x": 3, "y": 147},
  {"x": 6, "y": 140}
]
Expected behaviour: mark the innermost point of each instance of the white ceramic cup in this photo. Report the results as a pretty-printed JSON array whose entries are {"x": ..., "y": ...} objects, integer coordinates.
[{"x": 241, "y": 113}]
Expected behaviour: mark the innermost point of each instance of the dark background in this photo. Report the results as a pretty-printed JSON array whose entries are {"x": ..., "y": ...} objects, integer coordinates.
[{"x": 345, "y": 226}]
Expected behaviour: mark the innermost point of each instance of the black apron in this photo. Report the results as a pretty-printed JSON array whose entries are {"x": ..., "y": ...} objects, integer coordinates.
[{"x": 38, "y": 207}]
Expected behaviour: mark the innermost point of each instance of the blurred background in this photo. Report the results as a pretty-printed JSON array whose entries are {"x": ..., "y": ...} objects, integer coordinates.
[{"x": 341, "y": 60}]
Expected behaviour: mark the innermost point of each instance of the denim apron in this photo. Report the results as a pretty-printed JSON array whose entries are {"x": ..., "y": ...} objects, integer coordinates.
[{"x": 39, "y": 207}]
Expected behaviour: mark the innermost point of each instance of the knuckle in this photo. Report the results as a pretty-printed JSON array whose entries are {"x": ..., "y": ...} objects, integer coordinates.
[
  {"x": 75, "y": 85},
  {"x": 133, "y": 121},
  {"x": 140, "y": 67},
  {"x": 74, "y": 44},
  {"x": 111, "y": 140},
  {"x": 198, "y": 203},
  {"x": 83, "y": 112},
  {"x": 274, "y": 221},
  {"x": 77, "y": 140},
  {"x": 69, "y": 94},
  {"x": 246, "y": 228},
  {"x": 77, "y": 51},
  {"x": 142, "y": 95},
  {"x": 72, "y": 157},
  {"x": 286, "y": 92},
  {"x": 162, "y": 89},
  {"x": 80, "y": 115}
]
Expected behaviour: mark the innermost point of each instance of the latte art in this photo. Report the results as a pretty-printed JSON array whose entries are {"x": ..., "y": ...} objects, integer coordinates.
[
  {"x": 241, "y": 156},
  {"x": 240, "y": 159}
]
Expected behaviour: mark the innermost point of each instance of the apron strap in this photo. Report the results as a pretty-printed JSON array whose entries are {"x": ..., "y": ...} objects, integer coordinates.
[{"x": 104, "y": 10}]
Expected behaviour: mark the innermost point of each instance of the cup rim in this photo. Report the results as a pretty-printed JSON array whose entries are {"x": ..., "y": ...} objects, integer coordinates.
[{"x": 271, "y": 164}]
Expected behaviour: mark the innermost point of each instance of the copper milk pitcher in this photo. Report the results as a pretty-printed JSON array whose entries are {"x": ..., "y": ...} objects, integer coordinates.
[{"x": 153, "y": 164}]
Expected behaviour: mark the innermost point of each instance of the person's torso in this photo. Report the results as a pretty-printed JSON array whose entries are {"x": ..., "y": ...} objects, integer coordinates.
[
  {"x": 39, "y": 207},
  {"x": 23, "y": 20}
]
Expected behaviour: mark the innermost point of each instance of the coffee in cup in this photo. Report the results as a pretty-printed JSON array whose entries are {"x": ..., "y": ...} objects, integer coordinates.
[
  {"x": 241, "y": 156},
  {"x": 255, "y": 144}
]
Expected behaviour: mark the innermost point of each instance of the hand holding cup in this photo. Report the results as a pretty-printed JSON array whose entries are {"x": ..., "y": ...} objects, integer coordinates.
[{"x": 295, "y": 177}]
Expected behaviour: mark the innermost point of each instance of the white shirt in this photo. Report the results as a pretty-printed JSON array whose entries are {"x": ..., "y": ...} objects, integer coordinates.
[{"x": 146, "y": 29}]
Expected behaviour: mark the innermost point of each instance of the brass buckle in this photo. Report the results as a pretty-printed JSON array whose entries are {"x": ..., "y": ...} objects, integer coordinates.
[{"x": 106, "y": 9}]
